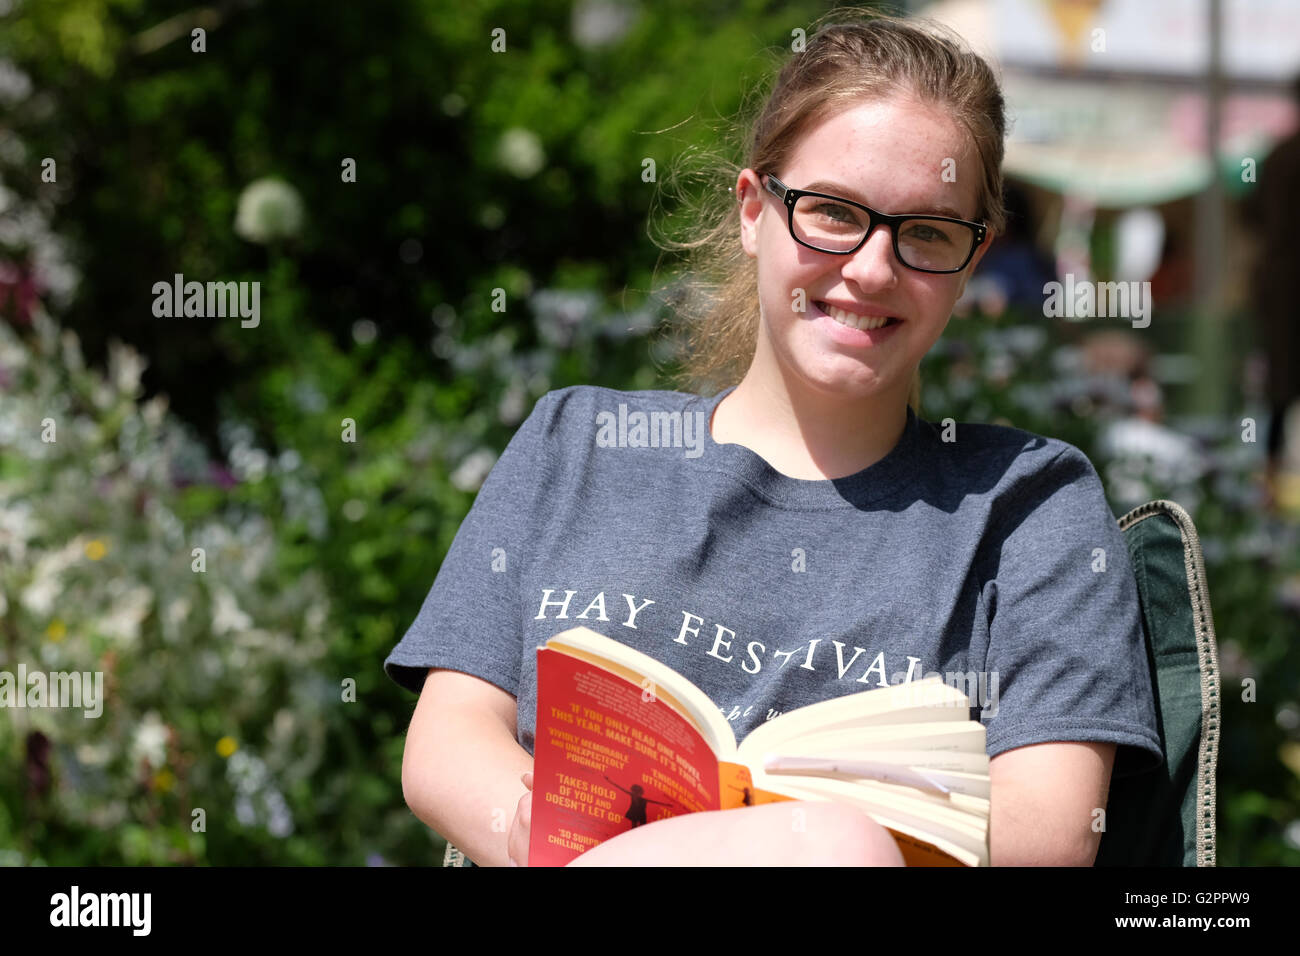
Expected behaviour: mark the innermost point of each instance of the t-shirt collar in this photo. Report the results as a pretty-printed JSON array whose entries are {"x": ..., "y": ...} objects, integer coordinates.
[{"x": 857, "y": 490}]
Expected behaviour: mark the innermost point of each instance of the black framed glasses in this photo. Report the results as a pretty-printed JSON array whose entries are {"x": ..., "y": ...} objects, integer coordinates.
[{"x": 827, "y": 223}]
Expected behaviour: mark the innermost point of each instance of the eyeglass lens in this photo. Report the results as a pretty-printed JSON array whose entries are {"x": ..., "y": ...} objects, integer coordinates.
[{"x": 922, "y": 243}]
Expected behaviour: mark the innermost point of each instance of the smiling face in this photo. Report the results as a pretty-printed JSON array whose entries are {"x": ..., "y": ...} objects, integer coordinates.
[{"x": 889, "y": 154}]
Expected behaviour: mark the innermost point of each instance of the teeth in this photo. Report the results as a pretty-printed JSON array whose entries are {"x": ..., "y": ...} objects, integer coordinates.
[{"x": 855, "y": 321}]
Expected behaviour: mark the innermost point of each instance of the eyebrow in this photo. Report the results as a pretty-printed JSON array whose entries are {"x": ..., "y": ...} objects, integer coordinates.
[{"x": 839, "y": 189}]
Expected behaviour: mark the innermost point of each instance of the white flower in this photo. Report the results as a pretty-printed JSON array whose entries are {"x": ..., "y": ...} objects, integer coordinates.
[
  {"x": 178, "y": 609},
  {"x": 1288, "y": 716},
  {"x": 470, "y": 474},
  {"x": 513, "y": 405},
  {"x": 123, "y": 621},
  {"x": 1137, "y": 439},
  {"x": 520, "y": 152},
  {"x": 17, "y": 527},
  {"x": 72, "y": 357},
  {"x": 153, "y": 410},
  {"x": 125, "y": 365},
  {"x": 249, "y": 464},
  {"x": 268, "y": 209},
  {"x": 102, "y": 396},
  {"x": 599, "y": 23},
  {"x": 244, "y": 811},
  {"x": 1292, "y": 834},
  {"x": 248, "y": 772},
  {"x": 150, "y": 740},
  {"x": 280, "y": 823},
  {"x": 13, "y": 354},
  {"x": 15, "y": 85},
  {"x": 38, "y": 597},
  {"x": 226, "y": 615},
  {"x": 314, "y": 619}
]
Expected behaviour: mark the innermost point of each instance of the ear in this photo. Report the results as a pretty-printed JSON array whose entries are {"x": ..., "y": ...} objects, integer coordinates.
[
  {"x": 749, "y": 194},
  {"x": 966, "y": 273}
]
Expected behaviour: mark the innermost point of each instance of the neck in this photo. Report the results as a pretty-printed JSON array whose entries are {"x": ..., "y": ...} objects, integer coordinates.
[{"x": 808, "y": 433}]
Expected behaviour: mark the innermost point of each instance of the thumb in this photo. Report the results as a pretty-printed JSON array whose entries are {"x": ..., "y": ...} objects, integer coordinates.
[{"x": 528, "y": 779}]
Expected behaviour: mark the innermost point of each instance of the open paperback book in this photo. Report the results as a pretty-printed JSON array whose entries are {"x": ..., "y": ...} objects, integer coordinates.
[{"x": 623, "y": 740}]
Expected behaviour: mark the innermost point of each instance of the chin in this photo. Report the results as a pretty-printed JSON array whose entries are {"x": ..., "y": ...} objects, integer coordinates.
[{"x": 850, "y": 387}]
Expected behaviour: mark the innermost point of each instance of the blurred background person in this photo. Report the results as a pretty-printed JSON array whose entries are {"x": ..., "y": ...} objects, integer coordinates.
[
  {"x": 1272, "y": 211},
  {"x": 1014, "y": 271}
]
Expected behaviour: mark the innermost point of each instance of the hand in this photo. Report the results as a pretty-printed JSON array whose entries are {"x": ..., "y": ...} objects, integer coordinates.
[{"x": 521, "y": 827}]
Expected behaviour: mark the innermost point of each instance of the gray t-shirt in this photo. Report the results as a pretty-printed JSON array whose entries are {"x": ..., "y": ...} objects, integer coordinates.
[{"x": 992, "y": 559}]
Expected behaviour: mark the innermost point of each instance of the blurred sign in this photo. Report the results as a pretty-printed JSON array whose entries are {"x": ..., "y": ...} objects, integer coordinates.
[
  {"x": 1261, "y": 37},
  {"x": 1084, "y": 120},
  {"x": 1130, "y": 142}
]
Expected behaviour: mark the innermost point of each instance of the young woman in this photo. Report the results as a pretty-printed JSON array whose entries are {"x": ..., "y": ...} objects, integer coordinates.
[{"x": 812, "y": 536}]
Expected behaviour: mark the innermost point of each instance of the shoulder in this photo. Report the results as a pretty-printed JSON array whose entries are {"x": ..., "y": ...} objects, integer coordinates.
[
  {"x": 579, "y": 408},
  {"x": 1017, "y": 480},
  {"x": 1001, "y": 457}
]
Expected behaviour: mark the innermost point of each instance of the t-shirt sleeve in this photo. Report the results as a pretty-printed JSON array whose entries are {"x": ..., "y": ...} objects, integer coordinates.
[
  {"x": 1066, "y": 646},
  {"x": 470, "y": 620}
]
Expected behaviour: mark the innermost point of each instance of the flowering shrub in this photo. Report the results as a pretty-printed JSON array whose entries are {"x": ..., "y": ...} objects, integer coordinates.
[{"x": 215, "y": 700}]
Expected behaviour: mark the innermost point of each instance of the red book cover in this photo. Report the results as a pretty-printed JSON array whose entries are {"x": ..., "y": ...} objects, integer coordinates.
[{"x": 610, "y": 755}]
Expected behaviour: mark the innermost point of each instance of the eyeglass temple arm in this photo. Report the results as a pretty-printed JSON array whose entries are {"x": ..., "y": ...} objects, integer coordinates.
[{"x": 775, "y": 186}]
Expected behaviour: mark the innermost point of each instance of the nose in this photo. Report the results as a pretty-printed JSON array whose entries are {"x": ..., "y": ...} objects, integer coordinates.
[{"x": 873, "y": 266}]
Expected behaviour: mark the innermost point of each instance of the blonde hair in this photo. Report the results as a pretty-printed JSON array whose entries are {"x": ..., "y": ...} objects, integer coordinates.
[{"x": 867, "y": 57}]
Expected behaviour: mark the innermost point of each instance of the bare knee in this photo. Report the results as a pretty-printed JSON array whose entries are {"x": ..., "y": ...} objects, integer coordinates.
[
  {"x": 841, "y": 835},
  {"x": 800, "y": 833}
]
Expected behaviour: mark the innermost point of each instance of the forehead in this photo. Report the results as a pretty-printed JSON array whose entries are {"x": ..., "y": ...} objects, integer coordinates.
[{"x": 896, "y": 155}]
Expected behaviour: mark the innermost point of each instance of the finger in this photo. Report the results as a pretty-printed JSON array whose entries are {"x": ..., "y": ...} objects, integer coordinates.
[
  {"x": 528, "y": 779},
  {"x": 519, "y": 848}
]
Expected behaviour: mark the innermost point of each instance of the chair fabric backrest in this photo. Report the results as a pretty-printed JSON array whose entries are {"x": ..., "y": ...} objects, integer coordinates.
[{"x": 1166, "y": 816}]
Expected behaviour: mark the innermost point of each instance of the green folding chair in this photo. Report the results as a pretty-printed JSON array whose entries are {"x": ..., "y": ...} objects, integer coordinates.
[
  {"x": 1163, "y": 816},
  {"x": 1166, "y": 816}
]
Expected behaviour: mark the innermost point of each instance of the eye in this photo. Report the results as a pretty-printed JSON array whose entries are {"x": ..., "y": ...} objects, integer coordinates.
[
  {"x": 927, "y": 232},
  {"x": 836, "y": 212}
]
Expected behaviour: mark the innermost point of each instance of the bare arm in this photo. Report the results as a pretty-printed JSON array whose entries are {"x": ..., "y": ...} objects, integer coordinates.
[
  {"x": 1044, "y": 799},
  {"x": 461, "y": 767}
]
